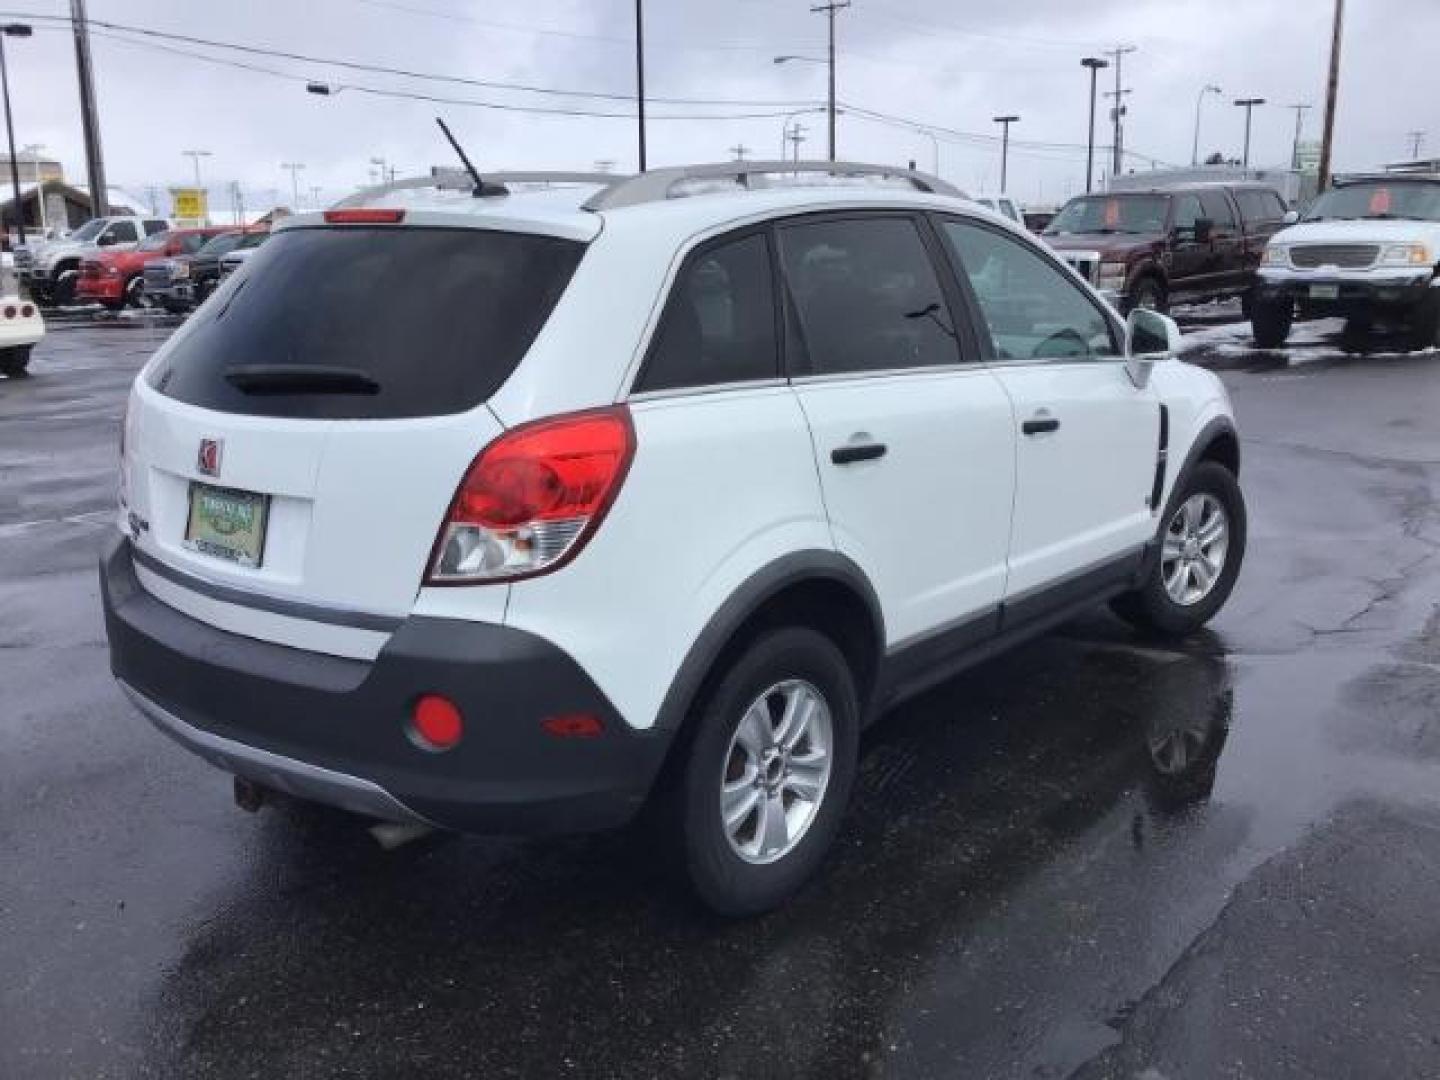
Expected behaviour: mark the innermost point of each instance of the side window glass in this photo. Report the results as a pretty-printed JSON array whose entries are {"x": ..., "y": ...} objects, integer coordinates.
[
  {"x": 1187, "y": 212},
  {"x": 192, "y": 243},
  {"x": 152, "y": 227},
  {"x": 719, "y": 324},
  {"x": 1217, "y": 209},
  {"x": 123, "y": 232},
  {"x": 1032, "y": 309},
  {"x": 866, "y": 297}
]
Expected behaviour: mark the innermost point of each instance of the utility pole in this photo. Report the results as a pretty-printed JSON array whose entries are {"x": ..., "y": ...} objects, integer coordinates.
[
  {"x": 1004, "y": 122},
  {"x": 1116, "y": 165},
  {"x": 796, "y": 135},
  {"x": 1248, "y": 104},
  {"x": 1299, "y": 127},
  {"x": 315, "y": 197},
  {"x": 640, "y": 75},
  {"x": 294, "y": 167},
  {"x": 14, "y": 30},
  {"x": 89, "y": 119},
  {"x": 237, "y": 202},
  {"x": 1416, "y": 140},
  {"x": 1094, "y": 63},
  {"x": 739, "y": 150},
  {"x": 1332, "y": 91},
  {"x": 830, "y": 10}
]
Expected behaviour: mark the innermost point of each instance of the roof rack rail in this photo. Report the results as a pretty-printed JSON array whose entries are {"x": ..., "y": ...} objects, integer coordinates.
[
  {"x": 659, "y": 184},
  {"x": 459, "y": 180}
]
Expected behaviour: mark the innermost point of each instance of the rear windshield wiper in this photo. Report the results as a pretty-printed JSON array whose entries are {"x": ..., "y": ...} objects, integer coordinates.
[{"x": 299, "y": 379}]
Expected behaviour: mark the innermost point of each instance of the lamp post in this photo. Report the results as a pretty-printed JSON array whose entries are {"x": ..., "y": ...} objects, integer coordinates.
[
  {"x": 830, "y": 105},
  {"x": 1208, "y": 88},
  {"x": 1004, "y": 122},
  {"x": 1248, "y": 104},
  {"x": 294, "y": 168},
  {"x": 640, "y": 78},
  {"x": 12, "y": 30},
  {"x": 195, "y": 156},
  {"x": 1094, "y": 63}
]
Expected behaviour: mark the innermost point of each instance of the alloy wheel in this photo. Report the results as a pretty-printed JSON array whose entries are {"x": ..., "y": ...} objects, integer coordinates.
[{"x": 1192, "y": 556}]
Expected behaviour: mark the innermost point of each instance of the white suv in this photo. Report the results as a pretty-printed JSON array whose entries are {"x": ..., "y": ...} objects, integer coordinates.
[{"x": 525, "y": 510}]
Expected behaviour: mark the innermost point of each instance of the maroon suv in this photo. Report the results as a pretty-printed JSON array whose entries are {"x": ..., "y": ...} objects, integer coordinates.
[{"x": 1183, "y": 243}]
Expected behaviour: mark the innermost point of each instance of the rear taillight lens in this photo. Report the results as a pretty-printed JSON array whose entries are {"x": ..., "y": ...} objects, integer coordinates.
[{"x": 533, "y": 497}]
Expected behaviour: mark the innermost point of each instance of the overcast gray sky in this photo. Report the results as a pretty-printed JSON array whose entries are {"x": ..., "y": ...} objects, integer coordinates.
[{"x": 949, "y": 63}]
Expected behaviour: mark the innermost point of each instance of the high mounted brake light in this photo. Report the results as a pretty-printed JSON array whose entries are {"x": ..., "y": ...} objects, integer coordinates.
[
  {"x": 532, "y": 498},
  {"x": 364, "y": 216}
]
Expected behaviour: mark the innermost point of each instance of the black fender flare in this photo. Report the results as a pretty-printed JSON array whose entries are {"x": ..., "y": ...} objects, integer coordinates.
[
  {"x": 1213, "y": 429},
  {"x": 745, "y": 601}
]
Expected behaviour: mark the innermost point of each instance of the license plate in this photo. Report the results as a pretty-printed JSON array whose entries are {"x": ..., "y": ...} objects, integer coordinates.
[
  {"x": 227, "y": 523},
  {"x": 1324, "y": 292}
]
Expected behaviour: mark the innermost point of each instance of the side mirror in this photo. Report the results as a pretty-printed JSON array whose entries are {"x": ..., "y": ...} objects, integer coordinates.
[
  {"x": 1290, "y": 218},
  {"x": 1152, "y": 337},
  {"x": 1204, "y": 227}
]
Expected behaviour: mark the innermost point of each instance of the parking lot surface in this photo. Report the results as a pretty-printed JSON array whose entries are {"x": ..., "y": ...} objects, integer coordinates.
[{"x": 1093, "y": 857}]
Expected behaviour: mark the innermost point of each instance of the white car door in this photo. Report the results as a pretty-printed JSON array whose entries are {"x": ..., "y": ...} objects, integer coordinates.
[
  {"x": 913, "y": 440},
  {"x": 1088, "y": 441}
]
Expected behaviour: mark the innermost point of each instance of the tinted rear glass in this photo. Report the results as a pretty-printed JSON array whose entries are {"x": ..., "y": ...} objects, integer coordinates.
[{"x": 391, "y": 322}]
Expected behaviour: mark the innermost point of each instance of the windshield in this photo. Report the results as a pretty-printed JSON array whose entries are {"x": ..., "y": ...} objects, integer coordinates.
[
  {"x": 154, "y": 242},
  {"x": 1112, "y": 214},
  {"x": 89, "y": 230},
  {"x": 219, "y": 245},
  {"x": 1379, "y": 200},
  {"x": 252, "y": 240}
]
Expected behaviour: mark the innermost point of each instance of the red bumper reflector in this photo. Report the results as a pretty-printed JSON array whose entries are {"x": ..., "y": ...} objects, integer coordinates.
[
  {"x": 436, "y": 723},
  {"x": 573, "y": 726},
  {"x": 364, "y": 216}
]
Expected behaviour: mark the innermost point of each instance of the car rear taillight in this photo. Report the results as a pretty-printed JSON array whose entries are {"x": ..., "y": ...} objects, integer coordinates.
[
  {"x": 533, "y": 497},
  {"x": 27, "y": 311},
  {"x": 364, "y": 216}
]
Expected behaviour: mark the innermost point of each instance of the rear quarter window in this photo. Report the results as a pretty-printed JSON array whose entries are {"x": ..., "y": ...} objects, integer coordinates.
[{"x": 418, "y": 322}]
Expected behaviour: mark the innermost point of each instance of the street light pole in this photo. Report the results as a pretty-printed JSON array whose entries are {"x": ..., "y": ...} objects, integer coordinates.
[
  {"x": 13, "y": 30},
  {"x": 294, "y": 168},
  {"x": 1248, "y": 104},
  {"x": 1209, "y": 88},
  {"x": 640, "y": 76},
  {"x": 1332, "y": 92},
  {"x": 195, "y": 156},
  {"x": 830, "y": 10},
  {"x": 1094, "y": 63},
  {"x": 1117, "y": 164},
  {"x": 1004, "y": 122}
]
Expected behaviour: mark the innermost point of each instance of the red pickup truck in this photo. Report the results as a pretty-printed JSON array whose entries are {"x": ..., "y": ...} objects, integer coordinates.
[{"x": 114, "y": 278}]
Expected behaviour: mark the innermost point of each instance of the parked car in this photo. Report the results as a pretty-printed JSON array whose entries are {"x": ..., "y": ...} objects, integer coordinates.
[
  {"x": 183, "y": 282},
  {"x": 116, "y": 278},
  {"x": 235, "y": 258},
  {"x": 1189, "y": 242},
  {"x": 50, "y": 271},
  {"x": 1003, "y": 205},
  {"x": 581, "y": 525},
  {"x": 21, "y": 326},
  {"x": 1367, "y": 250}
]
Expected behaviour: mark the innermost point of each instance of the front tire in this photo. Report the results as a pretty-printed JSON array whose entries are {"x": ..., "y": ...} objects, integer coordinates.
[
  {"x": 1270, "y": 322},
  {"x": 767, "y": 773},
  {"x": 1201, "y": 546},
  {"x": 1149, "y": 294},
  {"x": 1424, "y": 323}
]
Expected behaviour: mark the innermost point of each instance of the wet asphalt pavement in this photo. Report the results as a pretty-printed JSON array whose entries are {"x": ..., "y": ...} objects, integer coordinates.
[{"x": 1096, "y": 856}]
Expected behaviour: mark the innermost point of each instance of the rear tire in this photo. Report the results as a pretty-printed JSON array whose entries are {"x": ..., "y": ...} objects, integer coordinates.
[
  {"x": 1148, "y": 293},
  {"x": 1424, "y": 323},
  {"x": 15, "y": 361},
  {"x": 744, "y": 761},
  {"x": 1201, "y": 546},
  {"x": 1270, "y": 322}
]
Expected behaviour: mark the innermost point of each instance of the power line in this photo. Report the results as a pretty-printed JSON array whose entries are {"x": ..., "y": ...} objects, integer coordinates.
[
  {"x": 381, "y": 69},
  {"x": 930, "y": 26}
]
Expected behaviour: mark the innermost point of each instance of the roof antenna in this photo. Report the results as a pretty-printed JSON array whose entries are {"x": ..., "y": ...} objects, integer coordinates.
[{"x": 482, "y": 189}]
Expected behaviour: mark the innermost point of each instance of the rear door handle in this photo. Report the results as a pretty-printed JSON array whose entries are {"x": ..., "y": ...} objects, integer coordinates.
[
  {"x": 1040, "y": 426},
  {"x": 853, "y": 452}
]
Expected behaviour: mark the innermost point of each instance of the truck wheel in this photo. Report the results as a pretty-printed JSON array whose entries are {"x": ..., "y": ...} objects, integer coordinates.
[
  {"x": 15, "y": 361},
  {"x": 1148, "y": 293},
  {"x": 758, "y": 796},
  {"x": 1202, "y": 543},
  {"x": 135, "y": 293},
  {"x": 1424, "y": 324},
  {"x": 63, "y": 294},
  {"x": 1270, "y": 322}
]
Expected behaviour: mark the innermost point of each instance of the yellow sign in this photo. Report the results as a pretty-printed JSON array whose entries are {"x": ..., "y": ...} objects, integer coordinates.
[{"x": 188, "y": 204}]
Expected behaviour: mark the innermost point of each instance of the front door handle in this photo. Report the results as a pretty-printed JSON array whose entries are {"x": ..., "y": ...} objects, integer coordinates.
[
  {"x": 1040, "y": 425},
  {"x": 853, "y": 452}
]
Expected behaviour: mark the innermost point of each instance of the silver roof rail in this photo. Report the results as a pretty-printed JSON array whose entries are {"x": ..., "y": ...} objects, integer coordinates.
[
  {"x": 459, "y": 180},
  {"x": 658, "y": 184}
]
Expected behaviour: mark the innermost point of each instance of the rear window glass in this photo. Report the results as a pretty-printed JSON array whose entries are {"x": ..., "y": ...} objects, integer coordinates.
[{"x": 369, "y": 323}]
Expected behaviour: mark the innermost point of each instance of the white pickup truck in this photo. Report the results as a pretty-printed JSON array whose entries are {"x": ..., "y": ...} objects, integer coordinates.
[
  {"x": 51, "y": 269},
  {"x": 1368, "y": 250}
]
